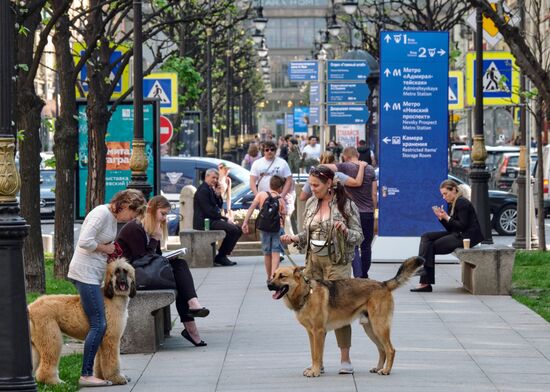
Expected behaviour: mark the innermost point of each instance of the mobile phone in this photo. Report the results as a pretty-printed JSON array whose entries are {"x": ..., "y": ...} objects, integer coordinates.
[{"x": 435, "y": 208}]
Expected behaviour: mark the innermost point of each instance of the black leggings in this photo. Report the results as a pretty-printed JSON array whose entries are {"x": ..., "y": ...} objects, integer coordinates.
[
  {"x": 185, "y": 287},
  {"x": 436, "y": 243}
]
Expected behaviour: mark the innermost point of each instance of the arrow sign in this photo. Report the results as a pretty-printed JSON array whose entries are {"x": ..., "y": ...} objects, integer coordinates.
[
  {"x": 387, "y": 106},
  {"x": 386, "y": 140},
  {"x": 387, "y": 72}
]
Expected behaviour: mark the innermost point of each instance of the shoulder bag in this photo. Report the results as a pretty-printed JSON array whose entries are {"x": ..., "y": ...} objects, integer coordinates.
[{"x": 153, "y": 272}]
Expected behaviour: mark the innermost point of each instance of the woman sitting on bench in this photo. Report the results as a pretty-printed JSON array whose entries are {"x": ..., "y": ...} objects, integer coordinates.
[{"x": 148, "y": 234}]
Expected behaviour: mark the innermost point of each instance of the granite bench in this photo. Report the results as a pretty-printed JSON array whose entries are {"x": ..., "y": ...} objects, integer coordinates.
[
  {"x": 201, "y": 246},
  {"x": 487, "y": 269},
  {"x": 149, "y": 321}
]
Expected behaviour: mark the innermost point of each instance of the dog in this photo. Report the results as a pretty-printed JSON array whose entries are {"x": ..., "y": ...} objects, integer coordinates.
[
  {"x": 50, "y": 316},
  {"x": 321, "y": 306}
]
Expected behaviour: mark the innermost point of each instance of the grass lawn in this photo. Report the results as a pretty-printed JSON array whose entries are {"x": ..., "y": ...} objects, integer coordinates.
[
  {"x": 531, "y": 281},
  {"x": 69, "y": 368}
]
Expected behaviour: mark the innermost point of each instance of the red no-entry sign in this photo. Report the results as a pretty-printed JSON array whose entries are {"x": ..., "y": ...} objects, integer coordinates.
[{"x": 166, "y": 130}]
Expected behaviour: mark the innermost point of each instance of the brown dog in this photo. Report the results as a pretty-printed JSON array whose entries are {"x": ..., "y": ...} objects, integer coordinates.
[
  {"x": 50, "y": 316},
  {"x": 321, "y": 306}
]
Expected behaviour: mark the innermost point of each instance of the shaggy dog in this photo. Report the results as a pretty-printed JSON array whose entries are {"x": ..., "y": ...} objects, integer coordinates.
[
  {"x": 321, "y": 306},
  {"x": 50, "y": 316}
]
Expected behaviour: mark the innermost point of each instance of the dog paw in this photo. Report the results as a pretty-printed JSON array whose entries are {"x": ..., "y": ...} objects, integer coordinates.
[
  {"x": 118, "y": 379},
  {"x": 374, "y": 370},
  {"x": 309, "y": 372},
  {"x": 383, "y": 372}
]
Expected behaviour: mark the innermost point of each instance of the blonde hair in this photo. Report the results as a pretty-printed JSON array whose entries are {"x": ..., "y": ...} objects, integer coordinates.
[
  {"x": 149, "y": 218},
  {"x": 132, "y": 198},
  {"x": 450, "y": 185},
  {"x": 253, "y": 150},
  {"x": 327, "y": 157}
]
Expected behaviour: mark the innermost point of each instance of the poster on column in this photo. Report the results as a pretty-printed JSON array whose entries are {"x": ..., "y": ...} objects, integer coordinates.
[
  {"x": 118, "y": 140},
  {"x": 301, "y": 119},
  {"x": 349, "y": 135},
  {"x": 413, "y": 130}
]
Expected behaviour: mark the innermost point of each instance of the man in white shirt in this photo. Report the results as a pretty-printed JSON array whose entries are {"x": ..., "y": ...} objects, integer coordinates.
[
  {"x": 312, "y": 150},
  {"x": 269, "y": 165}
]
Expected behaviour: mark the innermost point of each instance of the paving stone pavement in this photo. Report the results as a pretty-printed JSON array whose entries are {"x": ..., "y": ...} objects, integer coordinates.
[{"x": 448, "y": 340}]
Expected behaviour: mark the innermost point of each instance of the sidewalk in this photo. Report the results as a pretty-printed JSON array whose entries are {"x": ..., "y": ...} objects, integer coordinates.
[{"x": 447, "y": 340}]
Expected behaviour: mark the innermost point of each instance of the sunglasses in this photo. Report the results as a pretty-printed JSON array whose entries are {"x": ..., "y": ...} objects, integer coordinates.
[
  {"x": 269, "y": 149},
  {"x": 317, "y": 173}
]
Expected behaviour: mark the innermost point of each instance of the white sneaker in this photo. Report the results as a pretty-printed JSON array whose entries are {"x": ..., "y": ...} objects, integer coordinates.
[{"x": 346, "y": 368}]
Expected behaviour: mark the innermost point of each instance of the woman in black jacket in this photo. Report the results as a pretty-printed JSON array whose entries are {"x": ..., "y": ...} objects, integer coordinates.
[
  {"x": 146, "y": 235},
  {"x": 461, "y": 222}
]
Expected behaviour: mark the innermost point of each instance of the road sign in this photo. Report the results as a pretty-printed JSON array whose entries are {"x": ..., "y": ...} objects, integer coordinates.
[
  {"x": 314, "y": 93},
  {"x": 289, "y": 122},
  {"x": 490, "y": 31},
  {"x": 350, "y": 114},
  {"x": 166, "y": 130},
  {"x": 122, "y": 85},
  {"x": 348, "y": 92},
  {"x": 314, "y": 117},
  {"x": 413, "y": 129},
  {"x": 500, "y": 79},
  {"x": 456, "y": 90},
  {"x": 303, "y": 71},
  {"x": 163, "y": 86},
  {"x": 347, "y": 70}
]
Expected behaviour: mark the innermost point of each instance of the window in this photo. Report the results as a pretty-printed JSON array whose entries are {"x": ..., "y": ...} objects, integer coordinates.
[{"x": 292, "y": 33}]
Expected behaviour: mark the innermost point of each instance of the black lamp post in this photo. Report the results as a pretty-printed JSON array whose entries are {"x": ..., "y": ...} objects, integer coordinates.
[
  {"x": 15, "y": 350},
  {"x": 479, "y": 174},
  {"x": 138, "y": 160},
  {"x": 210, "y": 148}
]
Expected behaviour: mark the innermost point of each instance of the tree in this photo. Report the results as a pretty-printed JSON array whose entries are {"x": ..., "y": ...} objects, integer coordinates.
[{"x": 530, "y": 47}]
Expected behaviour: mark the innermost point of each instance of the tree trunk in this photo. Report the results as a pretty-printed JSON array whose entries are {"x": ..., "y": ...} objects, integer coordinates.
[
  {"x": 65, "y": 149},
  {"x": 539, "y": 119}
]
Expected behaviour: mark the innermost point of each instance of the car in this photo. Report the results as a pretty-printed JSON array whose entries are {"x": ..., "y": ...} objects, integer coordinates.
[
  {"x": 502, "y": 207},
  {"x": 508, "y": 170},
  {"x": 177, "y": 172},
  {"x": 47, "y": 193}
]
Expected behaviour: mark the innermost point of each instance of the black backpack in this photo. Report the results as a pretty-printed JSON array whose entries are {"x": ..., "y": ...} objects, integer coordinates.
[{"x": 269, "y": 218}]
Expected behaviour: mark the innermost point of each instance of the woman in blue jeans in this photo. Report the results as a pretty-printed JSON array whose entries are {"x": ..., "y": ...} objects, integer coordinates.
[{"x": 88, "y": 265}]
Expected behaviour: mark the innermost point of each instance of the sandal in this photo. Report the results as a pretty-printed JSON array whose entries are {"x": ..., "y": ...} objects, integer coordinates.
[{"x": 188, "y": 337}]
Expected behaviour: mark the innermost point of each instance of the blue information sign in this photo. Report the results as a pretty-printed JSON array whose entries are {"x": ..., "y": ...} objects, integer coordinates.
[
  {"x": 348, "y": 92},
  {"x": 303, "y": 71},
  {"x": 301, "y": 119},
  {"x": 348, "y": 70},
  {"x": 346, "y": 115},
  {"x": 289, "y": 122},
  {"x": 314, "y": 117},
  {"x": 314, "y": 93},
  {"x": 413, "y": 130}
]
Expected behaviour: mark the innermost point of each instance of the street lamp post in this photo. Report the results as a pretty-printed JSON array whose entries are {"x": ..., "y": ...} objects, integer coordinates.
[
  {"x": 479, "y": 174},
  {"x": 210, "y": 148},
  {"x": 138, "y": 159},
  {"x": 15, "y": 351}
]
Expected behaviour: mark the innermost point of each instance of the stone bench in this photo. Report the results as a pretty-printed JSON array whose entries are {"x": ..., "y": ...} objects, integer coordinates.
[
  {"x": 487, "y": 269},
  {"x": 201, "y": 246},
  {"x": 148, "y": 322}
]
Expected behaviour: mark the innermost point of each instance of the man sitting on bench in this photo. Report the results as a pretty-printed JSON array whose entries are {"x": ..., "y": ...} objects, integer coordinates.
[{"x": 207, "y": 204}]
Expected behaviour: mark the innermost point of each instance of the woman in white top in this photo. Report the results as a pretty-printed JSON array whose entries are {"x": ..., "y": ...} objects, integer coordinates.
[{"x": 88, "y": 265}]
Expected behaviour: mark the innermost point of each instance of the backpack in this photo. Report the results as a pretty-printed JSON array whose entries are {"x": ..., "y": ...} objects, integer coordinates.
[{"x": 269, "y": 219}]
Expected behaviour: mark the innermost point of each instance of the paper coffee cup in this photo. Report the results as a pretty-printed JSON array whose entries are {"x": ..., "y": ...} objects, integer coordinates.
[{"x": 466, "y": 242}]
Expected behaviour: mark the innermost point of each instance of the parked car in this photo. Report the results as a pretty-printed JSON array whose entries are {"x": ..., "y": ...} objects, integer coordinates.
[
  {"x": 508, "y": 170},
  {"x": 177, "y": 172},
  {"x": 503, "y": 209},
  {"x": 47, "y": 194}
]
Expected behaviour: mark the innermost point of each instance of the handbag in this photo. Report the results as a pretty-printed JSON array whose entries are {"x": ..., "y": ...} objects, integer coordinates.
[{"x": 153, "y": 272}]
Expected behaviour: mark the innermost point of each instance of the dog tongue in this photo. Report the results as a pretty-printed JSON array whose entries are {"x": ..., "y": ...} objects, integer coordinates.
[{"x": 276, "y": 295}]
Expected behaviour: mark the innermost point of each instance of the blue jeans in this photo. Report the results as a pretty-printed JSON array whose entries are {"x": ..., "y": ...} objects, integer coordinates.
[
  {"x": 361, "y": 263},
  {"x": 91, "y": 298}
]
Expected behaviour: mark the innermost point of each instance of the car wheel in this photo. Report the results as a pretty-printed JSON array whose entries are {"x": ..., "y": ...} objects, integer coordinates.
[{"x": 506, "y": 219}]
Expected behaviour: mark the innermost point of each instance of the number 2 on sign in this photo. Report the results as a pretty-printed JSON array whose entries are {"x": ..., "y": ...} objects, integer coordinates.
[{"x": 421, "y": 52}]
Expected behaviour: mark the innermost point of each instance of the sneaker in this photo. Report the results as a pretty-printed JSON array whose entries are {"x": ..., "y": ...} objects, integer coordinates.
[{"x": 346, "y": 368}]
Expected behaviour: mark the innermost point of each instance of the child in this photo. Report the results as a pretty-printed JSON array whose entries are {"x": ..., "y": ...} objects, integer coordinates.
[{"x": 271, "y": 244}]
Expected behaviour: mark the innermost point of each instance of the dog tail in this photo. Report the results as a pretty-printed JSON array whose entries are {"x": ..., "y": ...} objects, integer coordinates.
[{"x": 405, "y": 272}]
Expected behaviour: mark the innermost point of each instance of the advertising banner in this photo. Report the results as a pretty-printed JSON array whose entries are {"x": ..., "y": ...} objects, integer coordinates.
[
  {"x": 118, "y": 140},
  {"x": 301, "y": 119},
  {"x": 413, "y": 130}
]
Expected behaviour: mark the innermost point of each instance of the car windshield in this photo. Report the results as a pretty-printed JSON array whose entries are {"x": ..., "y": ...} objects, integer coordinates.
[{"x": 47, "y": 178}]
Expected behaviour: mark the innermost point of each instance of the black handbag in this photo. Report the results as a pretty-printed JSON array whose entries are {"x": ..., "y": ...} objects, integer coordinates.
[{"x": 153, "y": 272}]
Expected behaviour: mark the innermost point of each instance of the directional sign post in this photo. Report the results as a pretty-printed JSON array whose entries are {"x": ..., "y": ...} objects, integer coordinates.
[
  {"x": 314, "y": 117},
  {"x": 500, "y": 79},
  {"x": 342, "y": 115},
  {"x": 314, "y": 93},
  {"x": 348, "y": 92},
  {"x": 348, "y": 70},
  {"x": 303, "y": 71},
  {"x": 163, "y": 86},
  {"x": 413, "y": 129}
]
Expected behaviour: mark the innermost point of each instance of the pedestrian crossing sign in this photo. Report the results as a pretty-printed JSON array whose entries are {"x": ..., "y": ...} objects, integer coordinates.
[
  {"x": 500, "y": 79},
  {"x": 163, "y": 86},
  {"x": 123, "y": 83},
  {"x": 456, "y": 90}
]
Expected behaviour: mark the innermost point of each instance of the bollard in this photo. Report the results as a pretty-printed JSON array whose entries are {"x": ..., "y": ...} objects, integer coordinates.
[{"x": 186, "y": 207}]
